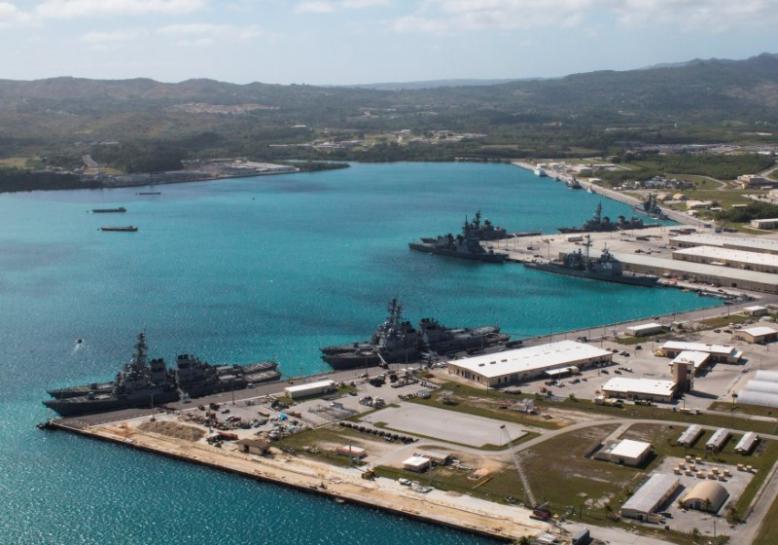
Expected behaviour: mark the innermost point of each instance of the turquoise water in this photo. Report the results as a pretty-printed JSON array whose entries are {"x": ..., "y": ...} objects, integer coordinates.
[{"x": 241, "y": 270}]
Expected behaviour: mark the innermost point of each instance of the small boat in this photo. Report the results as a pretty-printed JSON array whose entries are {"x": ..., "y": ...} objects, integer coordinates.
[
  {"x": 150, "y": 193},
  {"x": 126, "y": 229},
  {"x": 119, "y": 210}
]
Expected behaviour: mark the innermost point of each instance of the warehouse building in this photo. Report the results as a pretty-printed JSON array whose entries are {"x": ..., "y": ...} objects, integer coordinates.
[
  {"x": 748, "y": 244},
  {"x": 640, "y": 388},
  {"x": 718, "y": 439},
  {"x": 626, "y": 452},
  {"x": 419, "y": 464},
  {"x": 643, "y": 330},
  {"x": 310, "y": 389},
  {"x": 716, "y": 352},
  {"x": 649, "y": 498},
  {"x": 756, "y": 310},
  {"x": 747, "y": 443},
  {"x": 523, "y": 364},
  {"x": 690, "y": 436},
  {"x": 769, "y": 223},
  {"x": 707, "y": 496},
  {"x": 757, "y": 334},
  {"x": 711, "y": 255},
  {"x": 697, "y": 360},
  {"x": 761, "y": 390},
  {"x": 700, "y": 272}
]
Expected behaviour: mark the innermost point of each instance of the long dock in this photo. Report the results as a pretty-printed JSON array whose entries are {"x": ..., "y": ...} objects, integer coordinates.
[{"x": 502, "y": 522}]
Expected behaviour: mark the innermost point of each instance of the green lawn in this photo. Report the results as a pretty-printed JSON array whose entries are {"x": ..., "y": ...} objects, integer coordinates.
[
  {"x": 737, "y": 408},
  {"x": 307, "y": 443},
  {"x": 768, "y": 533}
]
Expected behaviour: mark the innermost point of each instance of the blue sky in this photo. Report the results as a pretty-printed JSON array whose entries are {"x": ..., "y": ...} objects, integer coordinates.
[{"x": 364, "y": 41}]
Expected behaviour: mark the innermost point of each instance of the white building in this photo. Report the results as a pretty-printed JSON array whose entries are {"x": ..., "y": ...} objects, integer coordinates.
[
  {"x": 761, "y": 390},
  {"x": 417, "y": 463},
  {"x": 690, "y": 436},
  {"x": 747, "y": 443},
  {"x": 771, "y": 223},
  {"x": 642, "y": 330},
  {"x": 717, "y": 352},
  {"x": 696, "y": 359},
  {"x": 639, "y": 388},
  {"x": 310, "y": 389},
  {"x": 756, "y": 310},
  {"x": 627, "y": 452},
  {"x": 522, "y": 364},
  {"x": 711, "y": 255},
  {"x": 757, "y": 334},
  {"x": 650, "y": 497},
  {"x": 718, "y": 439},
  {"x": 749, "y": 244}
]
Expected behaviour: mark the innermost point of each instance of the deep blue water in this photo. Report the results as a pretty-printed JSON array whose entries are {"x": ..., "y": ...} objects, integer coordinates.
[{"x": 241, "y": 270}]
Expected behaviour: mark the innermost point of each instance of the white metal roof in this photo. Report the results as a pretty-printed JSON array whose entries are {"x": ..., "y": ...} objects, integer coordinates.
[
  {"x": 758, "y": 331},
  {"x": 759, "y": 244},
  {"x": 532, "y": 358},
  {"x": 416, "y": 461},
  {"x": 689, "y": 267},
  {"x": 755, "y": 308},
  {"x": 562, "y": 371},
  {"x": 629, "y": 448},
  {"x": 645, "y": 327},
  {"x": 731, "y": 255},
  {"x": 771, "y": 376},
  {"x": 762, "y": 386},
  {"x": 747, "y": 442},
  {"x": 309, "y": 386},
  {"x": 718, "y": 438},
  {"x": 684, "y": 346},
  {"x": 690, "y": 434},
  {"x": 697, "y": 359},
  {"x": 648, "y": 497},
  {"x": 640, "y": 386},
  {"x": 752, "y": 397}
]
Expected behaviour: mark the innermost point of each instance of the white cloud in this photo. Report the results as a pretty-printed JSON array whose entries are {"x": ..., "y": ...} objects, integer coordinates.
[
  {"x": 329, "y": 6},
  {"x": 202, "y": 34},
  {"x": 454, "y": 15},
  {"x": 10, "y": 14},
  {"x": 103, "y": 38},
  {"x": 96, "y": 8}
]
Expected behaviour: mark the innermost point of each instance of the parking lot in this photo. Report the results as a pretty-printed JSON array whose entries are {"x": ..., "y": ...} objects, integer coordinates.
[{"x": 455, "y": 427}]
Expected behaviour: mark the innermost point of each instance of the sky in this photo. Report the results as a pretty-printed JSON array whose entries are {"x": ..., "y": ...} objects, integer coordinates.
[{"x": 337, "y": 42}]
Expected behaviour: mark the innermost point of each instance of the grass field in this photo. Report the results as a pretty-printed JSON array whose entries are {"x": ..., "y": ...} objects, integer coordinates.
[
  {"x": 768, "y": 533},
  {"x": 736, "y": 409},
  {"x": 307, "y": 443}
]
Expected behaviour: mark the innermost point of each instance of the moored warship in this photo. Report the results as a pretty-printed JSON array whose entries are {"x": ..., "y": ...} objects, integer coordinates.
[
  {"x": 397, "y": 341},
  {"x": 466, "y": 245},
  {"x": 599, "y": 223},
  {"x": 650, "y": 206},
  {"x": 144, "y": 383},
  {"x": 605, "y": 267}
]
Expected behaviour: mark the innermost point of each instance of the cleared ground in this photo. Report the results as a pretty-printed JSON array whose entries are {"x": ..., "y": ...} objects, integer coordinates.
[{"x": 455, "y": 427}]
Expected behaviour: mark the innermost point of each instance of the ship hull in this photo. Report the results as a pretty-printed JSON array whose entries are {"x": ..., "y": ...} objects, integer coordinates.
[
  {"x": 368, "y": 359},
  {"x": 92, "y": 406},
  {"x": 485, "y": 257},
  {"x": 643, "y": 281},
  {"x": 76, "y": 391}
]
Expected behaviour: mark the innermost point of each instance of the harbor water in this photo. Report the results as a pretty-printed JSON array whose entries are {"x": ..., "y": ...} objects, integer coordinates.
[{"x": 237, "y": 271}]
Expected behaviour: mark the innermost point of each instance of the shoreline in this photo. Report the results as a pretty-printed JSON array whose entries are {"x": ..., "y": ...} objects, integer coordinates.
[{"x": 366, "y": 494}]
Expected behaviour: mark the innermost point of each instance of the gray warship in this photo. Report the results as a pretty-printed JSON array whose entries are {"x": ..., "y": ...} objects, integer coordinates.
[
  {"x": 599, "y": 223},
  {"x": 397, "y": 341},
  {"x": 605, "y": 267},
  {"x": 466, "y": 245},
  {"x": 650, "y": 206},
  {"x": 144, "y": 383}
]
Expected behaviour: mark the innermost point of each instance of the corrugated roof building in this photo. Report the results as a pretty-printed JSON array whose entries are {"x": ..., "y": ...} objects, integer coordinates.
[{"x": 650, "y": 497}]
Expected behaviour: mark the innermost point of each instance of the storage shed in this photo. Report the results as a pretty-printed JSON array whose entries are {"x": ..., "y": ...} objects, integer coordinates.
[
  {"x": 319, "y": 387},
  {"x": 627, "y": 451},
  {"x": 253, "y": 446},
  {"x": 690, "y": 436},
  {"x": 718, "y": 439},
  {"x": 647, "y": 499},
  {"x": 417, "y": 463},
  {"x": 757, "y": 334},
  {"x": 706, "y": 496},
  {"x": 747, "y": 443}
]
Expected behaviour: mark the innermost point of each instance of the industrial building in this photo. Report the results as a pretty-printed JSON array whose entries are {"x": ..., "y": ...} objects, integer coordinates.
[
  {"x": 711, "y": 255},
  {"x": 523, "y": 364},
  {"x": 649, "y": 498},
  {"x": 705, "y": 496},
  {"x": 640, "y": 388},
  {"x": 718, "y": 439},
  {"x": 771, "y": 223},
  {"x": 757, "y": 334},
  {"x": 253, "y": 446},
  {"x": 642, "y": 330},
  {"x": 690, "y": 436},
  {"x": 697, "y": 360},
  {"x": 756, "y": 310},
  {"x": 761, "y": 390},
  {"x": 700, "y": 272},
  {"x": 748, "y": 244},
  {"x": 310, "y": 389},
  {"x": 627, "y": 452},
  {"x": 747, "y": 443},
  {"x": 416, "y": 463},
  {"x": 716, "y": 352}
]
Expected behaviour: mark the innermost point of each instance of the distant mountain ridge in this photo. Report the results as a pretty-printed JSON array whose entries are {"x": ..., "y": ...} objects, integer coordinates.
[{"x": 698, "y": 100}]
